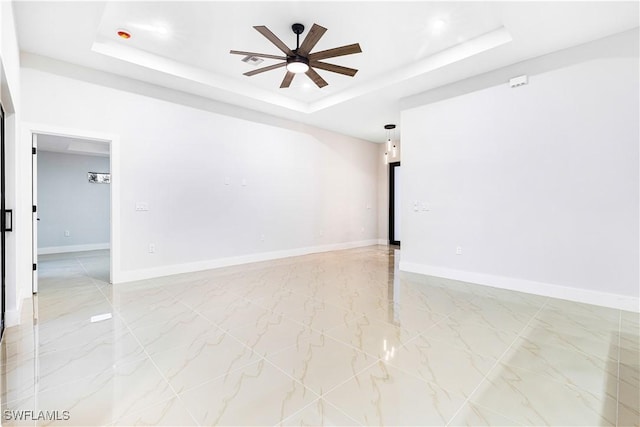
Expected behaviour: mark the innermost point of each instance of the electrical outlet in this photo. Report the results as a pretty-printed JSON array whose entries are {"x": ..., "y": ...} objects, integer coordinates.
[
  {"x": 67, "y": 233},
  {"x": 152, "y": 248},
  {"x": 458, "y": 250}
]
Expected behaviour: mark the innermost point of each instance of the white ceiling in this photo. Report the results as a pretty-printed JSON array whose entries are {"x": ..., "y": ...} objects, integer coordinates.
[
  {"x": 66, "y": 145},
  {"x": 185, "y": 46}
]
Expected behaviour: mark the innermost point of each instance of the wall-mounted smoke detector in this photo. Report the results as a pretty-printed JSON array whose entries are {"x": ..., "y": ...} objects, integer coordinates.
[
  {"x": 518, "y": 81},
  {"x": 123, "y": 34},
  {"x": 253, "y": 60}
]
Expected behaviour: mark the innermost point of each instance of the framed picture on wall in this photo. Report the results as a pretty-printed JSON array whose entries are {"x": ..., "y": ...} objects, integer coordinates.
[{"x": 99, "y": 178}]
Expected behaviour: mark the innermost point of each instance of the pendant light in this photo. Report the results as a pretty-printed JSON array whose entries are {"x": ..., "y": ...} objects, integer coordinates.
[{"x": 391, "y": 147}]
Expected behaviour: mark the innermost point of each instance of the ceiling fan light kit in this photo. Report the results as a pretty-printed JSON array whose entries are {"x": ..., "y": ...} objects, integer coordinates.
[
  {"x": 301, "y": 60},
  {"x": 297, "y": 64}
]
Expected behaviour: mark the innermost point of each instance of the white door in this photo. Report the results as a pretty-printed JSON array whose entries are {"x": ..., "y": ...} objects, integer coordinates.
[{"x": 34, "y": 241}]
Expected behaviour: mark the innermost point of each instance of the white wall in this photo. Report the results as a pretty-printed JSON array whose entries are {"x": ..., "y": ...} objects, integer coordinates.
[
  {"x": 306, "y": 189},
  {"x": 68, "y": 202},
  {"x": 539, "y": 185},
  {"x": 9, "y": 54},
  {"x": 16, "y": 265}
]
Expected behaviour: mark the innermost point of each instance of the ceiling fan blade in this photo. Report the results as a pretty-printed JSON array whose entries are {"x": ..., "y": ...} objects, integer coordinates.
[
  {"x": 263, "y": 69},
  {"x": 311, "y": 39},
  {"x": 259, "y": 55},
  {"x": 337, "y": 51},
  {"x": 319, "y": 81},
  {"x": 286, "y": 82},
  {"x": 274, "y": 39},
  {"x": 334, "y": 68}
]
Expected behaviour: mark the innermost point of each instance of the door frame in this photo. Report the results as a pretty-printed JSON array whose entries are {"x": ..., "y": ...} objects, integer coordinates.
[
  {"x": 29, "y": 129},
  {"x": 34, "y": 212},
  {"x": 392, "y": 207}
]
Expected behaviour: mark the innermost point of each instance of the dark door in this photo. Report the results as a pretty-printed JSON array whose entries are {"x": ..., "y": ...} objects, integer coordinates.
[{"x": 394, "y": 203}]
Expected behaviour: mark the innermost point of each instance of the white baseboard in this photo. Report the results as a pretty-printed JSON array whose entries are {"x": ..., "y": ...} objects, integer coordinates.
[
  {"x": 150, "y": 273},
  {"x": 72, "y": 248},
  {"x": 383, "y": 241},
  {"x": 621, "y": 302},
  {"x": 11, "y": 318}
]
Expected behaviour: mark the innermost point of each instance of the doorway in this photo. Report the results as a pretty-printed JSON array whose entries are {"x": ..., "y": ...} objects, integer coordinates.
[
  {"x": 72, "y": 210},
  {"x": 395, "y": 217}
]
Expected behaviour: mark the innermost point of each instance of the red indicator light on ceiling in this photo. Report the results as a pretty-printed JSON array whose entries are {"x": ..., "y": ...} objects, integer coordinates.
[{"x": 124, "y": 34}]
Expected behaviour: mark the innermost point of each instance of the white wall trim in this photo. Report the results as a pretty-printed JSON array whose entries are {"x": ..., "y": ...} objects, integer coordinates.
[
  {"x": 383, "y": 241},
  {"x": 621, "y": 302},
  {"x": 73, "y": 248},
  {"x": 11, "y": 318},
  {"x": 129, "y": 276}
]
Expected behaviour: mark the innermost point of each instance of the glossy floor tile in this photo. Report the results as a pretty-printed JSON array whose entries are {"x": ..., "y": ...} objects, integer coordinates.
[{"x": 339, "y": 338}]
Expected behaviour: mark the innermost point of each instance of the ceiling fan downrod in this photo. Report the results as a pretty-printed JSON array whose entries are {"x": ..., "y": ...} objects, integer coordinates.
[{"x": 297, "y": 29}]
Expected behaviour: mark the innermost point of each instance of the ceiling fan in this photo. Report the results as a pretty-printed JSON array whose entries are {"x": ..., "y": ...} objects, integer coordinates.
[{"x": 300, "y": 59}]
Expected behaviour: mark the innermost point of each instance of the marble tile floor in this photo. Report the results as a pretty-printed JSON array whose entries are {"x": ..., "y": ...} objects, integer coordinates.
[{"x": 339, "y": 338}]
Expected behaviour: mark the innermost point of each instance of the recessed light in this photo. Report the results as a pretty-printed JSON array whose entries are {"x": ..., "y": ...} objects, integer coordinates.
[
  {"x": 438, "y": 25},
  {"x": 124, "y": 34}
]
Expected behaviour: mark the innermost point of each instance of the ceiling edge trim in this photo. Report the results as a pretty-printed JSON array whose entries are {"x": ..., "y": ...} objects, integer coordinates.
[
  {"x": 459, "y": 52},
  {"x": 195, "y": 74}
]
